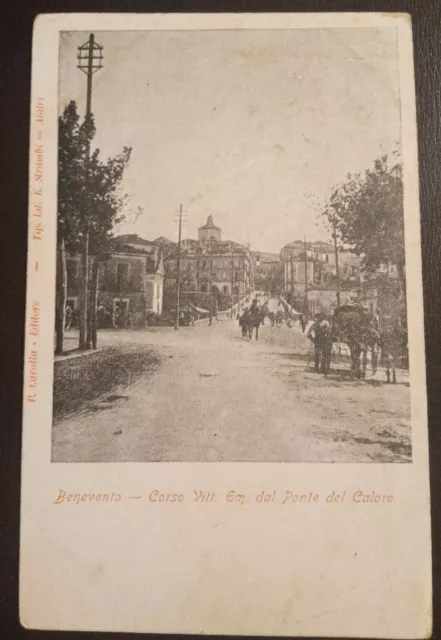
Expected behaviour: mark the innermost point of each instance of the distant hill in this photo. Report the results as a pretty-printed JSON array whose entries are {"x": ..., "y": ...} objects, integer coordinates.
[
  {"x": 162, "y": 241},
  {"x": 264, "y": 256}
]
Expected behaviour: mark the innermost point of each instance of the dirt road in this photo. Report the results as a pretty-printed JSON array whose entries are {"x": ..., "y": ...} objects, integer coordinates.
[{"x": 218, "y": 397}]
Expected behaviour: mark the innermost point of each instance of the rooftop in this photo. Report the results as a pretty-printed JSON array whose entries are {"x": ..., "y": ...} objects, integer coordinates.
[
  {"x": 318, "y": 245},
  {"x": 134, "y": 244},
  {"x": 219, "y": 247}
]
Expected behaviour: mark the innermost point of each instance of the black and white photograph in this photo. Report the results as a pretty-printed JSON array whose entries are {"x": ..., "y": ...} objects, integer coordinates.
[{"x": 231, "y": 268}]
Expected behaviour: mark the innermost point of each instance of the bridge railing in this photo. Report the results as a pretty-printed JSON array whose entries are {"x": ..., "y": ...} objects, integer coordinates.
[
  {"x": 290, "y": 309},
  {"x": 227, "y": 314}
]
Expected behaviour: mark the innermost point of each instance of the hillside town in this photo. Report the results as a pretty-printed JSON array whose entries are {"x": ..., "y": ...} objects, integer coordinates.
[
  {"x": 272, "y": 328},
  {"x": 138, "y": 281}
]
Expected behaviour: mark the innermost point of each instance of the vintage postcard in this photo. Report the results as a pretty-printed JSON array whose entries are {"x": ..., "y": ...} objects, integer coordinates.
[{"x": 225, "y": 423}]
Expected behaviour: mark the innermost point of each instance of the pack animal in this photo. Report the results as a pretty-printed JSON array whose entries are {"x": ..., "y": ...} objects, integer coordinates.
[
  {"x": 351, "y": 325},
  {"x": 251, "y": 321}
]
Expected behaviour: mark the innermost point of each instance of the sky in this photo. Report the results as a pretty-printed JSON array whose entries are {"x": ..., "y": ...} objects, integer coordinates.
[{"x": 253, "y": 127}]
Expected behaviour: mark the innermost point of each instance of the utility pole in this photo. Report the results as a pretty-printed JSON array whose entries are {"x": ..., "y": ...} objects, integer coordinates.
[
  {"x": 211, "y": 281},
  {"x": 178, "y": 274},
  {"x": 244, "y": 278},
  {"x": 273, "y": 281},
  {"x": 90, "y": 60},
  {"x": 198, "y": 266},
  {"x": 306, "y": 277},
  {"x": 334, "y": 235},
  {"x": 292, "y": 278},
  {"x": 232, "y": 277}
]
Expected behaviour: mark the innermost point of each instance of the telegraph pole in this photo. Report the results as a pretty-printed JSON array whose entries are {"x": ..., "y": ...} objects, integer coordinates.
[
  {"x": 90, "y": 60},
  {"x": 292, "y": 278},
  {"x": 211, "y": 281},
  {"x": 232, "y": 277},
  {"x": 306, "y": 277},
  {"x": 178, "y": 274},
  {"x": 198, "y": 267},
  {"x": 334, "y": 235}
]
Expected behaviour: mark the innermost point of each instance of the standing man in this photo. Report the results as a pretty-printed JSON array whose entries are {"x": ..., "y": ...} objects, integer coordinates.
[
  {"x": 242, "y": 321},
  {"x": 319, "y": 334}
]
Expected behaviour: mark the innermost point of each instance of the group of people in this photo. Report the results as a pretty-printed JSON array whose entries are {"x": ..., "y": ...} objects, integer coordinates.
[
  {"x": 363, "y": 336},
  {"x": 355, "y": 328},
  {"x": 255, "y": 314}
]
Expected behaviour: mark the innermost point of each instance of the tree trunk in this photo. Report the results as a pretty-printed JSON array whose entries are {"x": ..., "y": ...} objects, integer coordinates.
[
  {"x": 60, "y": 304},
  {"x": 83, "y": 292},
  {"x": 91, "y": 340},
  {"x": 402, "y": 278},
  {"x": 94, "y": 299}
]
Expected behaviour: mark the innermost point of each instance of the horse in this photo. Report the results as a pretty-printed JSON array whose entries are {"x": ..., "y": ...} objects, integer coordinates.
[
  {"x": 266, "y": 313},
  {"x": 352, "y": 325},
  {"x": 252, "y": 320},
  {"x": 355, "y": 328},
  {"x": 272, "y": 318},
  {"x": 279, "y": 318}
]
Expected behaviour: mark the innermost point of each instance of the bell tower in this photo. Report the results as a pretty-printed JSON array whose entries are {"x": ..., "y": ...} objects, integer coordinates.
[{"x": 210, "y": 230}]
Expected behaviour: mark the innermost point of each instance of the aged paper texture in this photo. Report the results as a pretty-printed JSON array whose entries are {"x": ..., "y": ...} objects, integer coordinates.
[{"x": 225, "y": 424}]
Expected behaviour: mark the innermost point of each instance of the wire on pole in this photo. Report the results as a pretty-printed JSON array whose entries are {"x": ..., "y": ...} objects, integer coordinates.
[{"x": 90, "y": 56}]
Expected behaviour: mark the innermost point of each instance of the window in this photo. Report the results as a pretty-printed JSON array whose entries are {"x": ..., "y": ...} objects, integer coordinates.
[
  {"x": 225, "y": 289},
  {"x": 122, "y": 274}
]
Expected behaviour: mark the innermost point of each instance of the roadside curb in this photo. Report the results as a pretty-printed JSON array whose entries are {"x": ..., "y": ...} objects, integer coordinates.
[{"x": 77, "y": 354}]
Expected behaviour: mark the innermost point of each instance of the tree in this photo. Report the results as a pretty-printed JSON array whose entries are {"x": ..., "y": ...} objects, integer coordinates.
[
  {"x": 89, "y": 202},
  {"x": 71, "y": 154},
  {"x": 366, "y": 212}
]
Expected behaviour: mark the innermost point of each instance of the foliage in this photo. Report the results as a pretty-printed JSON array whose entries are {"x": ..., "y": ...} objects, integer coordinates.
[
  {"x": 89, "y": 198},
  {"x": 366, "y": 213},
  {"x": 71, "y": 183}
]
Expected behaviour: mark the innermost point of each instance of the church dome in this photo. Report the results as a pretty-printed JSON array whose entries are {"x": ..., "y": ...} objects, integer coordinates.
[{"x": 209, "y": 224}]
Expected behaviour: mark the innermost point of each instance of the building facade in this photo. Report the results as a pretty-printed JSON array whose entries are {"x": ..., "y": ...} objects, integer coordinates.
[
  {"x": 295, "y": 271},
  {"x": 321, "y": 266},
  {"x": 268, "y": 274},
  {"x": 228, "y": 265},
  {"x": 133, "y": 278}
]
